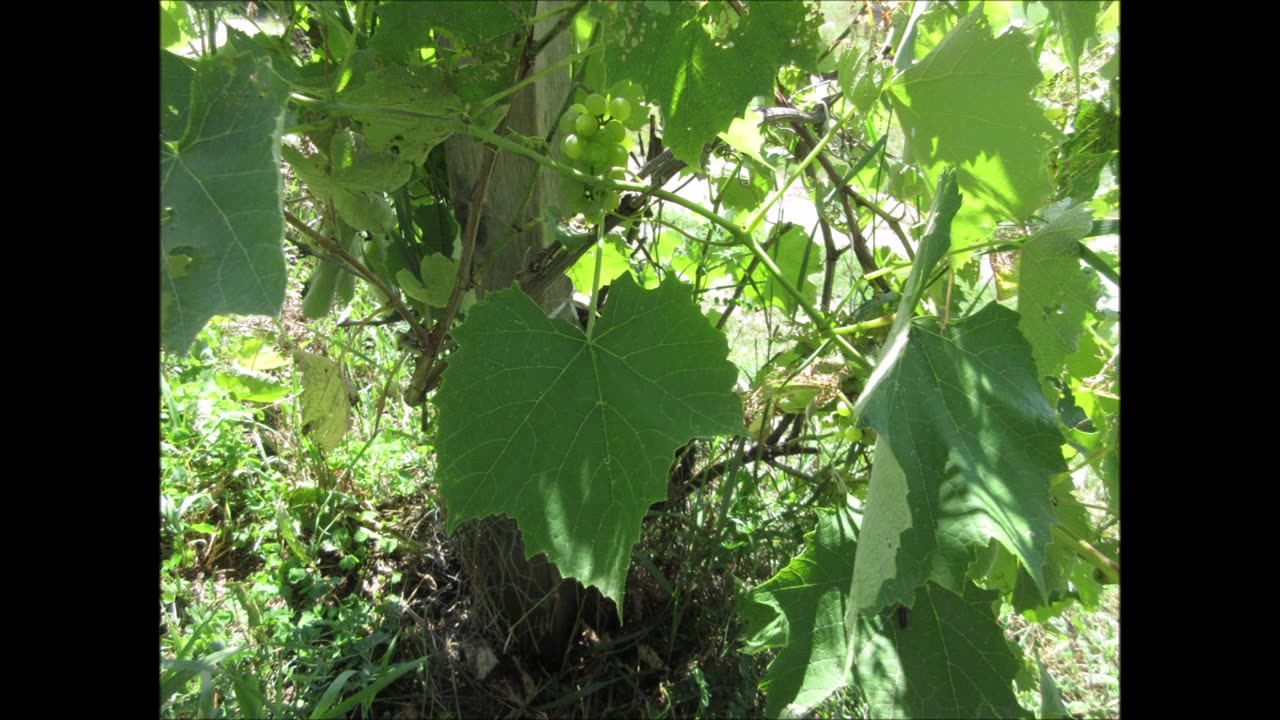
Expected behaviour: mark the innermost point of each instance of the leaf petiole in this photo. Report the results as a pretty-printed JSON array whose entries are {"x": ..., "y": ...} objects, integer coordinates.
[{"x": 595, "y": 281}]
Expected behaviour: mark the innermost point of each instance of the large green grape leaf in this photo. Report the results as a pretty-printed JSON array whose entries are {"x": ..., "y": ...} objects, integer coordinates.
[
  {"x": 810, "y": 595},
  {"x": 1054, "y": 292},
  {"x": 962, "y": 411},
  {"x": 967, "y": 440},
  {"x": 405, "y": 27},
  {"x": 422, "y": 90},
  {"x": 221, "y": 225},
  {"x": 969, "y": 104},
  {"x": 698, "y": 68},
  {"x": 950, "y": 660},
  {"x": 570, "y": 436}
]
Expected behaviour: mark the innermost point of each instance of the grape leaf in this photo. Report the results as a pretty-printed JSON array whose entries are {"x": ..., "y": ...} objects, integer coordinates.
[
  {"x": 439, "y": 276},
  {"x": 405, "y": 27},
  {"x": 422, "y": 90},
  {"x": 170, "y": 33},
  {"x": 810, "y": 594},
  {"x": 358, "y": 169},
  {"x": 861, "y": 76},
  {"x": 220, "y": 200},
  {"x": 701, "y": 71},
  {"x": 969, "y": 442},
  {"x": 962, "y": 410},
  {"x": 1051, "y": 705},
  {"x": 744, "y": 136},
  {"x": 175, "y": 95},
  {"x": 310, "y": 170},
  {"x": 326, "y": 408},
  {"x": 1077, "y": 22},
  {"x": 969, "y": 104},
  {"x": 570, "y": 436},
  {"x": 951, "y": 659},
  {"x": 1054, "y": 294},
  {"x": 613, "y": 263}
]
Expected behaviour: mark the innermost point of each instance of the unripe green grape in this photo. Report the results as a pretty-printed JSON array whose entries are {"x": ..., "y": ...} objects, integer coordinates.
[
  {"x": 627, "y": 90},
  {"x": 619, "y": 109},
  {"x": 617, "y": 156},
  {"x": 618, "y": 174},
  {"x": 571, "y": 146},
  {"x": 596, "y": 104},
  {"x": 597, "y": 154},
  {"x": 853, "y": 434},
  {"x": 613, "y": 131},
  {"x": 568, "y": 122},
  {"x": 570, "y": 187},
  {"x": 578, "y": 108},
  {"x": 587, "y": 126}
]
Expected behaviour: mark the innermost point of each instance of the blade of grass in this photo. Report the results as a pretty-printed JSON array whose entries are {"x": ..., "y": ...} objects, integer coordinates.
[
  {"x": 370, "y": 692},
  {"x": 330, "y": 694}
]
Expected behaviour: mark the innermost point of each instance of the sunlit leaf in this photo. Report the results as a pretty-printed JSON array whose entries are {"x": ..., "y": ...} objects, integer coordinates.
[
  {"x": 573, "y": 437},
  {"x": 701, "y": 69},
  {"x": 1055, "y": 292},
  {"x": 968, "y": 440},
  {"x": 969, "y": 104},
  {"x": 951, "y": 659},
  {"x": 1077, "y": 24}
]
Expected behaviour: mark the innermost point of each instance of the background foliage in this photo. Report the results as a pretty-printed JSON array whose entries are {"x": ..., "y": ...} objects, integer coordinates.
[{"x": 826, "y": 424}]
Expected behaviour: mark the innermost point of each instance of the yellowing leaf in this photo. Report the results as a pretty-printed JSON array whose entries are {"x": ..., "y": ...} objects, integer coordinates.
[{"x": 326, "y": 409}]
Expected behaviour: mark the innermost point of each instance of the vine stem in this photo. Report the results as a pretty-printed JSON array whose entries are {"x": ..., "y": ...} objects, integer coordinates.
[
  {"x": 867, "y": 325},
  {"x": 334, "y": 248},
  {"x": 1110, "y": 568},
  {"x": 759, "y": 215},
  {"x": 416, "y": 393},
  {"x": 569, "y": 14},
  {"x": 595, "y": 282},
  {"x": 489, "y": 101}
]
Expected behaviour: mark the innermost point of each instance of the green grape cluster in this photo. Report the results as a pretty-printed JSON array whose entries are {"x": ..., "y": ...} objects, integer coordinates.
[{"x": 595, "y": 141}]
